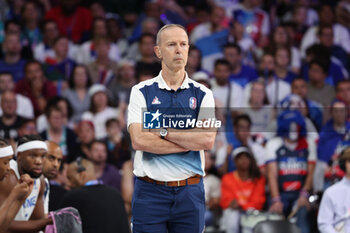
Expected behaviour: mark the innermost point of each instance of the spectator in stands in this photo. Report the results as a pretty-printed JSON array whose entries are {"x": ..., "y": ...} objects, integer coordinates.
[
  {"x": 14, "y": 11},
  {"x": 97, "y": 10},
  {"x": 333, "y": 215},
  {"x": 259, "y": 110},
  {"x": 242, "y": 189},
  {"x": 215, "y": 24},
  {"x": 148, "y": 61},
  {"x": 118, "y": 143},
  {"x": 280, "y": 38},
  {"x": 86, "y": 134},
  {"x": 24, "y": 105},
  {"x": 12, "y": 61},
  {"x": 290, "y": 159},
  {"x": 318, "y": 89},
  {"x": 14, "y": 27},
  {"x": 247, "y": 45},
  {"x": 36, "y": 87},
  {"x": 103, "y": 70},
  {"x": 149, "y": 25},
  {"x": 101, "y": 208},
  {"x": 295, "y": 102},
  {"x": 339, "y": 55},
  {"x": 334, "y": 137},
  {"x": 58, "y": 132},
  {"x": 240, "y": 73},
  {"x": 77, "y": 94},
  {"x": 125, "y": 80},
  {"x": 116, "y": 34},
  {"x": 72, "y": 20},
  {"x": 60, "y": 67},
  {"x": 9, "y": 121},
  {"x": 87, "y": 52},
  {"x": 27, "y": 127},
  {"x": 63, "y": 105},
  {"x": 322, "y": 53},
  {"x": 242, "y": 137},
  {"x": 326, "y": 17},
  {"x": 194, "y": 63},
  {"x": 301, "y": 20},
  {"x": 105, "y": 172},
  {"x": 44, "y": 50},
  {"x": 31, "y": 16},
  {"x": 282, "y": 70},
  {"x": 228, "y": 93},
  {"x": 314, "y": 109},
  {"x": 343, "y": 93},
  {"x": 276, "y": 89},
  {"x": 100, "y": 110}
]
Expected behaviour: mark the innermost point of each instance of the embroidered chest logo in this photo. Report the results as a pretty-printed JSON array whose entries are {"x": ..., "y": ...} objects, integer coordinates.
[
  {"x": 156, "y": 100},
  {"x": 193, "y": 103}
]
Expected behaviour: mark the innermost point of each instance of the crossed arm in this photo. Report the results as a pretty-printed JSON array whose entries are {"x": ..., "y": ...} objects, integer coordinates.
[{"x": 176, "y": 141}]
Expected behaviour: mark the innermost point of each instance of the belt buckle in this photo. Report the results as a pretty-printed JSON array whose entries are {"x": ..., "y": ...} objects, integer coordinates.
[{"x": 178, "y": 183}]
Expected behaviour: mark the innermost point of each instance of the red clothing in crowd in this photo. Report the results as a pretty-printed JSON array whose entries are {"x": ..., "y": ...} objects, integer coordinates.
[
  {"x": 48, "y": 91},
  {"x": 249, "y": 193},
  {"x": 75, "y": 26}
]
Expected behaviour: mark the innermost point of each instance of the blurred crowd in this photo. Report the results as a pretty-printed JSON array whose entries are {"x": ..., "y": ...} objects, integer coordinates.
[{"x": 278, "y": 69}]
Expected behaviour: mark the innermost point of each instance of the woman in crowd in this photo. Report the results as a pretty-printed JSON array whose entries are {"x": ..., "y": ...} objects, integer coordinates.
[
  {"x": 77, "y": 94},
  {"x": 242, "y": 189}
]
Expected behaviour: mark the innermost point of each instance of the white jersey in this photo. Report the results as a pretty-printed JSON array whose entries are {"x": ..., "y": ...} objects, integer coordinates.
[{"x": 27, "y": 208}]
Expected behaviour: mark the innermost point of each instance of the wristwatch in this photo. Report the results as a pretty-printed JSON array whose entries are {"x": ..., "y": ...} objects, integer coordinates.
[{"x": 163, "y": 133}]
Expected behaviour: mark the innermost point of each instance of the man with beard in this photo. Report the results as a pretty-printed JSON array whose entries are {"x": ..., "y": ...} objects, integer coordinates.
[
  {"x": 54, "y": 192},
  {"x": 13, "y": 202},
  {"x": 30, "y": 153}
]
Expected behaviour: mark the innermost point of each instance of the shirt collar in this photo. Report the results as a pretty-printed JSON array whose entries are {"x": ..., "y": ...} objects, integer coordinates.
[{"x": 162, "y": 84}]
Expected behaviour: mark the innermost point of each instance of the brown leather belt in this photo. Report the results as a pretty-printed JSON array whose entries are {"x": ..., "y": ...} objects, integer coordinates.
[{"x": 191, "y": 180}]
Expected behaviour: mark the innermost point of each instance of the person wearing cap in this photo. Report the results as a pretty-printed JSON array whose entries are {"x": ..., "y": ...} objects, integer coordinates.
[
  {"x": 334, "y": 212},
  {"x": 30, "y": 153},
  {"x": 169, "y": 163},
  {"x": 12, "y": 203},
  {"x": 290, "y": 163},
  {"x": 242, "y": 189},
  {"x": 100, "y": 111}
]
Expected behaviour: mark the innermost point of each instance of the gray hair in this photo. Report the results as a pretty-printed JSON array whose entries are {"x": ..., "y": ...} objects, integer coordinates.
[{"x": 166, "y": 27}]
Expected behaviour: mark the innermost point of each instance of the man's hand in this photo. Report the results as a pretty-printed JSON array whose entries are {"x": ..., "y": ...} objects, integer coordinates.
[
  {"x": 276, "y": 207},
  {"x": 25, "y": 186}
]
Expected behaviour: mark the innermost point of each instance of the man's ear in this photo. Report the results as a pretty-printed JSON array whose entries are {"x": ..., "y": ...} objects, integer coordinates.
[{"x": 157, "y": 52}]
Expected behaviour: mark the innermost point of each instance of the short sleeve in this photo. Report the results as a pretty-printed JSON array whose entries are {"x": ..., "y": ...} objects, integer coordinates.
[
  {"x": 136, "y": 104},
  {"x": 271, "y": 148},
  {"x": 207, "y": 108}
]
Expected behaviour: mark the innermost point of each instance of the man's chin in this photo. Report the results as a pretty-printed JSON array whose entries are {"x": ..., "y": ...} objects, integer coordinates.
[{"x": 35, "y": 175}]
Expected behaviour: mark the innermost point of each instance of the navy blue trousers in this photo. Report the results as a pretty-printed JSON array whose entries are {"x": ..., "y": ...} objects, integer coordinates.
[{"x": 161, "y": 209}]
